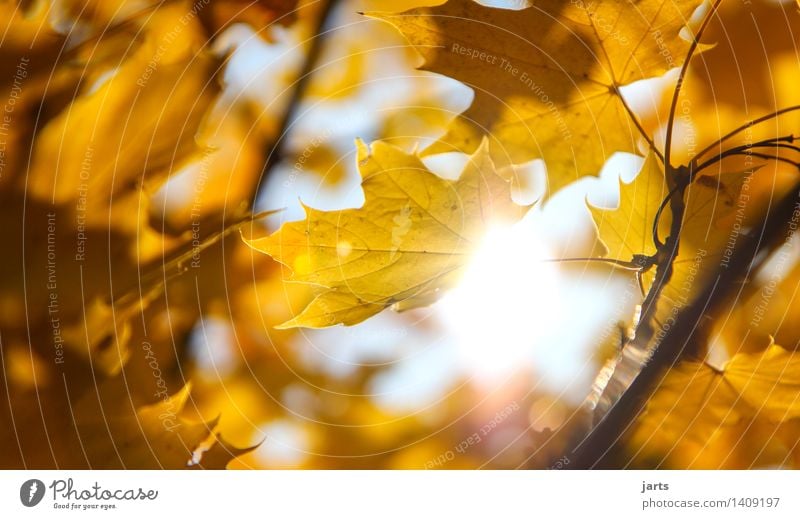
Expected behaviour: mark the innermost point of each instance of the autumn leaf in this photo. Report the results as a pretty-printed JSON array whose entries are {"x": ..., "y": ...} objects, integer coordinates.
[
  {"x": 706, "y": 233},
  {"x": 214, "y": 15},
  {"x": 694, "y": 403},
  {"x": 259, "y": 14},
  {"x": 29, "y": 42},
  {"x": 122, "y": 134},
  {"x": 138, "y": 136},
  {"x": 547, "y": 78},
  {"x": 769, "y": 381},
  {"x": 628, "y": 229},
  {"x": 412, "y": 237},
  {"x": 153, "y": 436}
]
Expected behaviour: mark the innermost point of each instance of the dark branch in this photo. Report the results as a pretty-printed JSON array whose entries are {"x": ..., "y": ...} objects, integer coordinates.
[
  {"x": 600, "y": 449},
  {"x": 743, "y": 127},
  {"x": 309, "y": 66},
  {"x": 747, "y": 150}
]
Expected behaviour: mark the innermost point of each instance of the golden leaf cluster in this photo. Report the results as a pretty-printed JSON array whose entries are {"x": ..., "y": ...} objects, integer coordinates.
[{"x": 149, "y": 307}]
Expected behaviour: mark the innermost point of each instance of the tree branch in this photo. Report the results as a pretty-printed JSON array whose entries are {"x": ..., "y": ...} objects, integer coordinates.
[
  {"x": 743, "y": 127},
  {"x": 600, "y": 447},
  {"x": 309, "y": 66}
]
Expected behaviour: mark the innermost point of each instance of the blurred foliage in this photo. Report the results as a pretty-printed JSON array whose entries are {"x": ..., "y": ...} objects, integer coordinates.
[{"x": 138, "y": 138}]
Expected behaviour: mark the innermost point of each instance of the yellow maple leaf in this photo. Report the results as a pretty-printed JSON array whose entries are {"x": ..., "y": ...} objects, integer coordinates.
[
  {"x": 134, "y": 128},
  {"x": 628, "y": 230},
  {"x": 695, "y": 403},
  {"x": 259, "y": 14},
  {"x": 546, "y": 78},
  {"x": 29, "y": 42},
  {"x": 707, "y": 234},
  {"x": 768, "y": 381},
  {"x": 214, "y": 15},
  {"x": 412, "y": 237},
  {"x": 691, "y": 402},
  {"x": 114, "y": 435}
]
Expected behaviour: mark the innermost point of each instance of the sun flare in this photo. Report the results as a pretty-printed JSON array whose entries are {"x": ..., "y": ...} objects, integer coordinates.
[{"x": 507, "y": 302}]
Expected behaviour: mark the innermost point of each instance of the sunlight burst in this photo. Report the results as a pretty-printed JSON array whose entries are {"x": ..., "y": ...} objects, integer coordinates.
[{"x": 506, "y": 304}]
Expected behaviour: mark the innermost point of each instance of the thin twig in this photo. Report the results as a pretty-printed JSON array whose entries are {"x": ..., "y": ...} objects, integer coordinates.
[
  {"x": 626, "y": 265},
  {"x": 746, "y": 149},
  {"x": 599, "y": 448},
  {"x": 679, "y": 84},
  {"x": 657, "y": 218},
  {"x": 764, "y": 156},
  {"x": 745, "y": 126}
]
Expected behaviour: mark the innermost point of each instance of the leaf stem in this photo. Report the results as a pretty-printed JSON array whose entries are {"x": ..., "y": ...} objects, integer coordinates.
[
  {"x": 639, "y": 127},
  {"x": 747, "y": 125},
  {"x": 627, "y": 265}
]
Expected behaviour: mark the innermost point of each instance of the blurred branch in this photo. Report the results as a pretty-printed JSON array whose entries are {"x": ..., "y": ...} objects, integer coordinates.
[
  {"x": 599, "y": 449},
  {"x": 301, "y": 85}
]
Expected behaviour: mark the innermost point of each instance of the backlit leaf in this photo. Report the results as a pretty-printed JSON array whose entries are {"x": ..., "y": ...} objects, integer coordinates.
[
  {"x": 412, "y": 237},
  {"x": 547, "y": 77}
]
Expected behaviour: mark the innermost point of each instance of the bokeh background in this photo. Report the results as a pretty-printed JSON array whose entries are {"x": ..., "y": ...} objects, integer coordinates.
[{"x": 140, "y": 135}]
